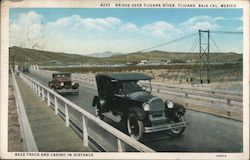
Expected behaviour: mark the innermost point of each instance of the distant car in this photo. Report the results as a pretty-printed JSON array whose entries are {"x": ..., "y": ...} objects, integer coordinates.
[
  {"x": 26, "y": 70},
  {"x": 126, "y": 97},
  {"x": 61, "y": 82}
]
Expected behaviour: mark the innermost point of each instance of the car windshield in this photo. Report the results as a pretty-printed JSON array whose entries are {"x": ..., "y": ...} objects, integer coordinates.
[
  {"x": 135, "y": 86},
  {"x": 62, "y": 76}
]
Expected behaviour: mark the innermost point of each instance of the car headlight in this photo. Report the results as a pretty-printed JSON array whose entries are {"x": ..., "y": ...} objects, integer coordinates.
[
  {"x": 62, "y": 83},
  {"x": 170, "y": 104},
  {"x": 73, "y": 83},
  {"x": 146, "y": 107}
]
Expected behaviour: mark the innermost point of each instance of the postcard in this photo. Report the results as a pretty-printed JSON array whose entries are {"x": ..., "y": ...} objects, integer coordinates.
[{"x": 130, "y": 79}]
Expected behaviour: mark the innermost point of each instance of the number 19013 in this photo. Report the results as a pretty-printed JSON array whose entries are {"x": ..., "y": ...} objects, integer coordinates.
[{"x": 221, "y": 155}]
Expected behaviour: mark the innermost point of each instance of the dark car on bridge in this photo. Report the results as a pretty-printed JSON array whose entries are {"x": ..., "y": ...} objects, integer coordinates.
[
  {"x": 61, "y": 83},
  {"x": 25, "y": 69},
  {"x": 126, "y": 97}
]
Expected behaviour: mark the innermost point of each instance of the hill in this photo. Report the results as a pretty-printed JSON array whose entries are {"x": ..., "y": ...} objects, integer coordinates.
[
  {"x": 31, "y": 56},
  {"x": 177, "y": 57}
]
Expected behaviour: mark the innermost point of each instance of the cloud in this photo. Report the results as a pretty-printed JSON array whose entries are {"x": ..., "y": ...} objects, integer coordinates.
[
  {"x": 27, "y": 19},
  {"x": 76, "y": 22},
  {"x": 26, "y": 30},
  {"x": 101, "y": 23},
  {"x": 218, "y": 19},
  {"x": 15, "y": 30},
  {"x": 160, "y": 29},
  {"x": 67, "y": 20},
  {"x": 239, "y": 18},
  {"x": 239, "y": 29},
  {"x": 128, "y": 27},
  {"x": 201, "y": 22},
  {"x": 112, "y": 20},
  {"x": 75, "y": 34}
]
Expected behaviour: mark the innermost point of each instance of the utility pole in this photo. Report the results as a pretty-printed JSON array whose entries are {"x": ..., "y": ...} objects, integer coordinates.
[{"x": 204, "y": 41}]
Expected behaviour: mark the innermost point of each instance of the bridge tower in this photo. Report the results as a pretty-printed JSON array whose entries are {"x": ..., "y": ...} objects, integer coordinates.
[{"x": 204, "y": 38}]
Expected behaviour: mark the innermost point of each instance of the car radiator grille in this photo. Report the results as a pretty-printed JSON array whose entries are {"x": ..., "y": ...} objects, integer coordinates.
[
  {"x": 157, "y": 111},
  {"x": 67, "y": 84},
  {"x": 156, "y": 104}
]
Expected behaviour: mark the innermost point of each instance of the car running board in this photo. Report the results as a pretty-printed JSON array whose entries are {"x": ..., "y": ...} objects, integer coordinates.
[{"x": 111, "y": 116}]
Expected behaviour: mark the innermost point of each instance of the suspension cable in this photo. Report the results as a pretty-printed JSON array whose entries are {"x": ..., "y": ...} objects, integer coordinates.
[
  {"x": 168, "y": 42},
  {"x": 194, "y": 44},
  {"x": 226, "y": 32},
  {"x": 188, "y": 36},
  {"x": 217, "y": 47}
]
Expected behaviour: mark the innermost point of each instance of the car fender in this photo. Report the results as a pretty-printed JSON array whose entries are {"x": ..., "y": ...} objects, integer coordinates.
[
  {"x": 180, "y": 109},
  {"x": 50, "y": 84},
  {"x": 141, "y": 115},
  {"x": 75, "y": 86}
]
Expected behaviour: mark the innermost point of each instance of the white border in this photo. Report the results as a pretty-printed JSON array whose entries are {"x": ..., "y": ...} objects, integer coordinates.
[{"x": 6, "y": 4}]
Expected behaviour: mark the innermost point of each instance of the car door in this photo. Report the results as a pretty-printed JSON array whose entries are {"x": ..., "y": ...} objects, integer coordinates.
[
  {"x": 119, "y": 97},
  {"x": 108, "y": 93}
]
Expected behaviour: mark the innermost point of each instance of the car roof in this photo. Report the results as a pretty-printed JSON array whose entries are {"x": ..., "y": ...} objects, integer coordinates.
[
  {"x": 124, "y": 76},
  {"x": 61, "y": 73}
]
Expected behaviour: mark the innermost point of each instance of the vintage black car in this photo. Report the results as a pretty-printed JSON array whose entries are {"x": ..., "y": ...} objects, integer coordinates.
[
  {"x": 25, "y": 70},
  {"x": 126, "y": 97},
  {"x": 61, "y": 82}
]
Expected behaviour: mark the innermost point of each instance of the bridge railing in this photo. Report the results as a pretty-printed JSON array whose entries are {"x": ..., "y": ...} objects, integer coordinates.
[
  {"x": 228, "y": 101},
  {"x": 29, "y": 144},
  {"x": 88, "y": 126}
]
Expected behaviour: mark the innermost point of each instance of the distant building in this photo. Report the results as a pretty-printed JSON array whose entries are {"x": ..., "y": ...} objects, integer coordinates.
[
  {"x": 143, "y": 62},
  {"x": 146, "y": 62},
  {"x": 166, "y": 61}
]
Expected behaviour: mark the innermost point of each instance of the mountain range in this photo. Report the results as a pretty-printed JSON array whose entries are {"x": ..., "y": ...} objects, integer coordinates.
[{"x": 103, "y": 54}]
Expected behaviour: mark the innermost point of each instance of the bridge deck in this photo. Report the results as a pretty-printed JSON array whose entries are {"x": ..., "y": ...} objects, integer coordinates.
[{"x": 49, "y": 131}]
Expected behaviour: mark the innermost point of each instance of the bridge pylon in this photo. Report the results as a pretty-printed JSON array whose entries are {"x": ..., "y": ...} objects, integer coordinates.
[{"x": 204, "y": 42}]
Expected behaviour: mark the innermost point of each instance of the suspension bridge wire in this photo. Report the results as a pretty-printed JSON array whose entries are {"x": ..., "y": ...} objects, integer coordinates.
[
  {"x": 217, "y": 47},
  {"x": 168, "y": 42},
  {"x": 194, "y": 44},
  {"x": 226, "y": 32},
  {"x": 223, "y": 32}
]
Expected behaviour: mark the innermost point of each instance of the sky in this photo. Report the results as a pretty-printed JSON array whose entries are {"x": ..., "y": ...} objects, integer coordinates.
[{"x": 124, "y": 30}]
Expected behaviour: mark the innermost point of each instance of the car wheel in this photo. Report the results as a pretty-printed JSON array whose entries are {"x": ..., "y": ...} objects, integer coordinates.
[
  {"x": 178, "y": 131},
  {"x": 135, "y": 127},
  {"x": 76, "y": 93},
  {"x": 50, "y": 84},
  {"x": 98, "y": 112}
]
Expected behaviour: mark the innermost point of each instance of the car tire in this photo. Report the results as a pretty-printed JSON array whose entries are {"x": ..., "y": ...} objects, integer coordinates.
[
  {"x": 49, "y": 84},
  {"x": 98, "y": 112},
  {"x": 135, "y": 127},
  {"x": 176, "y": 132}
]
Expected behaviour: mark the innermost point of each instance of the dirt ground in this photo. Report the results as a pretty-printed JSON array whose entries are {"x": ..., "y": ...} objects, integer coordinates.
[
  {"x": 225, "y": 82},
  {"x": 236, "y": 86},
  {"x": 14, "y": 137}
]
